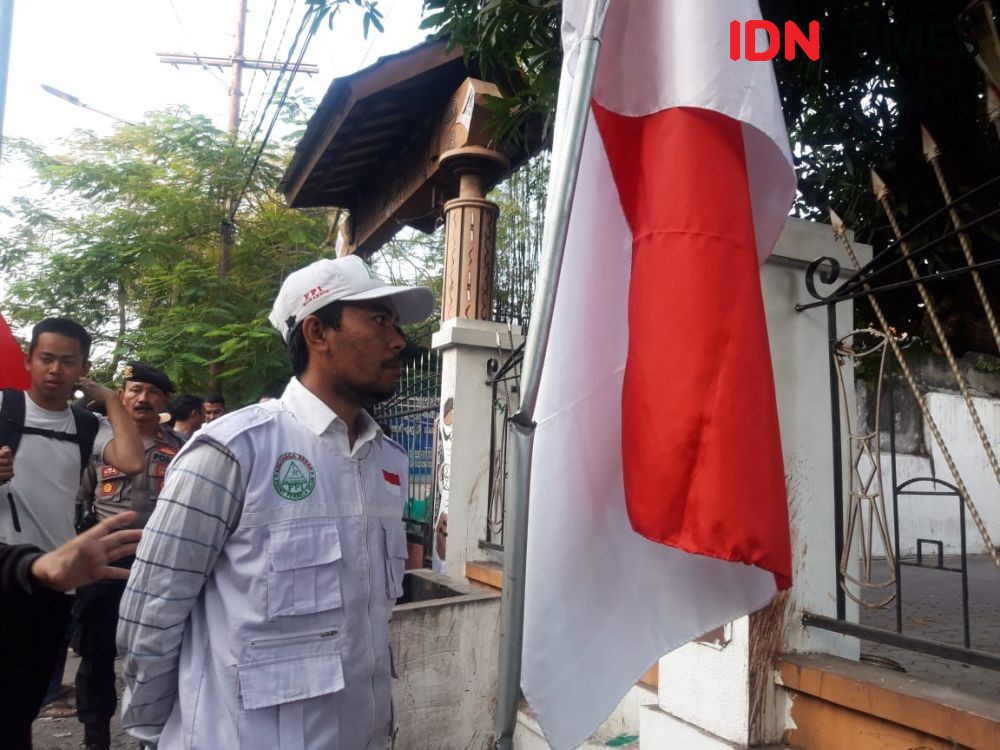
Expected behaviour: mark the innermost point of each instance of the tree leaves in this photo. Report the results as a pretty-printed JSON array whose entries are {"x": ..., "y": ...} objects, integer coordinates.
[{"x": 127, "y": 242}]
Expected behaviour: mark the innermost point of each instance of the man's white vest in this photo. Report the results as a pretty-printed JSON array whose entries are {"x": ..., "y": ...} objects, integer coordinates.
[{"x": 287, "y": 647}]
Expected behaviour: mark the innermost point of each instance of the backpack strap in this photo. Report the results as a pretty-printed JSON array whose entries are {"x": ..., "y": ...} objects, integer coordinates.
[
  {"x": 12, "y": 418},
  {"x": 12, "y": 427},
  {"x": 87, "y": 425}
]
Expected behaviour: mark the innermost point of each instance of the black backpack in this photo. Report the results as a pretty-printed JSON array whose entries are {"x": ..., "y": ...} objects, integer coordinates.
[{"x": 12, "y": 428}]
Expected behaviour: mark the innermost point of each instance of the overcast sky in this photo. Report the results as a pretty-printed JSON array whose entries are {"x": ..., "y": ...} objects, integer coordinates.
[{"x": 104, "y": 53}]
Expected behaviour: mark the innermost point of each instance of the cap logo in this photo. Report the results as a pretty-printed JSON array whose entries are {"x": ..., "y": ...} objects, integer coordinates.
[{"x": 314, "y": 294}]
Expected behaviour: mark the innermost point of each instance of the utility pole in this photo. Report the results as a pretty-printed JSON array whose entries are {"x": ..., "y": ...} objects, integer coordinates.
[
  {"x": 226, "y": 230},
  {"x": 234, "y": 90},
  {"x": 237, "y": 62}
]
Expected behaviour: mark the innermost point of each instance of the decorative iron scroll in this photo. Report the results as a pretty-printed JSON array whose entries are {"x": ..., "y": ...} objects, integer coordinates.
[{"x": 867, "y": 519}]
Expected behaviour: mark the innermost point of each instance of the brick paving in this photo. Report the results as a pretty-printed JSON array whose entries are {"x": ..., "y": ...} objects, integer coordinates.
[{"x": 932, "y": 609}]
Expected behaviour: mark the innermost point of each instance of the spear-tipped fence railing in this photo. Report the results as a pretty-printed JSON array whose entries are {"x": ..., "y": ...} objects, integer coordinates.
[{"x": 869, "y": 558}]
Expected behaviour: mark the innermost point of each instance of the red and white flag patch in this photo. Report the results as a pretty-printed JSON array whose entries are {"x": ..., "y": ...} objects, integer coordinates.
[{"x": 393, "y": 484}]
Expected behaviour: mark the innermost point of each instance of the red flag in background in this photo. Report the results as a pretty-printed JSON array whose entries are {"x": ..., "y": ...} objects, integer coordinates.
[
  {"x": 12, "y": 372},
  {"x": 657, "y": 502}
]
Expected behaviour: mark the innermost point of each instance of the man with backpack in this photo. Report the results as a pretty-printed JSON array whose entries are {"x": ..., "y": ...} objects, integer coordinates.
[
  {"x": 47, "y": 444},
  {"x": 44, "y": 447}
]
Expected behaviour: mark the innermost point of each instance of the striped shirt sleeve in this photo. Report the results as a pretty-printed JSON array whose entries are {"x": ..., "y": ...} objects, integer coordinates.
[{"x": 198, "y": 508}]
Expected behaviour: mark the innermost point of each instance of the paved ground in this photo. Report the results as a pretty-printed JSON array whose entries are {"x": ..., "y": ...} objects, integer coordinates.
[
  {"x": 64, "y": 734},
  {"x": 932, "y": 609}
]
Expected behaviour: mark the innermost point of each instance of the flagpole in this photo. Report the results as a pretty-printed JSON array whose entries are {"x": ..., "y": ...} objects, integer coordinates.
[{"x": 557, "y": 211}]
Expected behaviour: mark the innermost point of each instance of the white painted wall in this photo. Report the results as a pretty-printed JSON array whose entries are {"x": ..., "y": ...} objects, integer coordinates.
[
  {"x": 799, "y": 355},
  {"x": 938, "y": 517},
  {"x": 708, "y": 685},
  {"x": 446, "y": 658},
  {"x": 466, "y": 346}
]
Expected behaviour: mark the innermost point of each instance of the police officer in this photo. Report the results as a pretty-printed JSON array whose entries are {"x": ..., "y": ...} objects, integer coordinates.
[
  {"x": 105, "y": 492},
  {"x": 257, "y": 613}
]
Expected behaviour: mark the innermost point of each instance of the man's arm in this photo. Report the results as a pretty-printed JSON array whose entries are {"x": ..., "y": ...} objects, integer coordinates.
[
  {"x": 25, "y": 569},
  {"x": 125, "y": 451},
  {"x": 198, "y": 508}
]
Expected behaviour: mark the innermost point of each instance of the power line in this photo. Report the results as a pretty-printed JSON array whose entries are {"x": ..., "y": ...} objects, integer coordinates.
[
  {"x": 260, "y": 56},
  {"x": 318, "y": 14},
  {"x": 267, "y": 74},
  {"x": 194, "y": 53}
]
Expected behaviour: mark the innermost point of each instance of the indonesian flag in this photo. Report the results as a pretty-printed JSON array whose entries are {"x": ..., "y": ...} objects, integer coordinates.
[
  {"x": 658, "y": 507},
  {"x": 12, "y": 372}
]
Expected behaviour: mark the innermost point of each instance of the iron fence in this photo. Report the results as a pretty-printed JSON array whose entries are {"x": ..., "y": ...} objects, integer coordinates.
[
  {"x": 504, "y": 378},
  {"x": 410, "y": 418},
  {"x": 870, "y": 558}
]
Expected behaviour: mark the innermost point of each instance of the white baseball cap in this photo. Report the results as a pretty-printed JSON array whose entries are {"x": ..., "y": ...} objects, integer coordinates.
[{"x": 347, "y": 279}]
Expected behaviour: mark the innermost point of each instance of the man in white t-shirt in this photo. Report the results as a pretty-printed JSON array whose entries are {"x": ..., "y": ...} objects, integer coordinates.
[
  {"x": 39, "y": 482},
  {"x": 40, "y": 479}
]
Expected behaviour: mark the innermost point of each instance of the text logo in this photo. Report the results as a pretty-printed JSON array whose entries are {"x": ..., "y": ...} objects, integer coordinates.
[
  {"x": 794, "y": 37},
  {"x": 314, "y": 293}
]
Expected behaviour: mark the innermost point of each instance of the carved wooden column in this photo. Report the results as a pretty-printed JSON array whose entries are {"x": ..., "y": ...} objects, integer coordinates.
[{"x": 470, "y": 233}]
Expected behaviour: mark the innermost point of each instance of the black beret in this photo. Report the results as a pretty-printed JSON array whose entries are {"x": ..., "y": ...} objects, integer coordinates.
[{"x": 138, "y": 372}]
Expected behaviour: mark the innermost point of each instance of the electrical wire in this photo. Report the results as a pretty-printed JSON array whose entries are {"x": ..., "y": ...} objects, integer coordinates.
[
  {"x": 317, "y": 16},
  {"x": 260, "y": 56},
  {"x": 267, "y": 73},
  {"x": 194, "y": 53}
]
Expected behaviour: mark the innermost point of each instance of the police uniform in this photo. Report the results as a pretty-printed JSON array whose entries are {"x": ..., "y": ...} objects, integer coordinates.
[
  {"x": 104, "y": 492},
  {"x": 108, "y": 491}
]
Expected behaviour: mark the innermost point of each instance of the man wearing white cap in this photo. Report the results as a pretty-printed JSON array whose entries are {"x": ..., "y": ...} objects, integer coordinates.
[{"x": 256, "y": 615}]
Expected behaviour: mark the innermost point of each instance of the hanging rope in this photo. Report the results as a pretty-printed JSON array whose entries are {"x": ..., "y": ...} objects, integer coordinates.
[
  {"x": 933, "y": 154},
  {"x": 882, "y": 194},
  {"x": 841, "y": 234}
]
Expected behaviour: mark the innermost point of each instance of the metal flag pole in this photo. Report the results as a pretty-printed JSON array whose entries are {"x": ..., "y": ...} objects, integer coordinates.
[
  {"x": 557, "y": 211},
  {"x": 6, "y": 25}
]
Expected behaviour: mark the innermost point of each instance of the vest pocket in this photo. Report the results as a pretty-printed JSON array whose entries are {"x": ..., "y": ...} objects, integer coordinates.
[
  {"x": 395, "y": 557},
  {"x": 277, "y": 694},
  {"x": 303, "y": 576}
]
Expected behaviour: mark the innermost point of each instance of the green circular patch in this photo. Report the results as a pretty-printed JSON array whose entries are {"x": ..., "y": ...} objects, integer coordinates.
[{"x": 294, "y": 477}]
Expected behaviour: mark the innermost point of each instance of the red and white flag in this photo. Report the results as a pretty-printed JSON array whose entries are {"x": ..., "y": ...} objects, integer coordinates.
[
  {"x": 12, "y": 371},
  {"x": 658, "y": 506}
]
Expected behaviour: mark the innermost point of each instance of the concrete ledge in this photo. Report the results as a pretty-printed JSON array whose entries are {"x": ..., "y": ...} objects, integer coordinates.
[
  {"x": 936, "y": 710},
  {"x": 479, "y": 333},
  {"x": 658, "y": 729}
]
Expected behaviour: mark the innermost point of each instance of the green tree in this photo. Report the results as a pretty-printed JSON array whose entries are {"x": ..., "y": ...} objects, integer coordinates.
[
  {"x": 126, "y": 240},
  {"x": 885, "y": 68}
]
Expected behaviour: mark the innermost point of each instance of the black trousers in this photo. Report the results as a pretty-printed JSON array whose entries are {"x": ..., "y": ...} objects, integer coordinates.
[
  {"x": 96, "y": 612},
  {"x": 32, "y": 628}
]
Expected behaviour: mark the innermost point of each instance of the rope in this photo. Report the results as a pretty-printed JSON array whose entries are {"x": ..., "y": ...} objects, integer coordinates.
[
  {"x": 963, "y": 386},
  {"x": 963, "y": 239},
  {"x": 924, "y": 409}
]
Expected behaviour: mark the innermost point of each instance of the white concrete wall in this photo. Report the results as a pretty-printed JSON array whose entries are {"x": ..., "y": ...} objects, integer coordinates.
[
  {"x": 446, "y": 658},
  {"x": 952, "y": 417},
  {"x": 726, "y": 692},
  {"x": 466, "y": 346},
  {"x": 800, "y": 357},
  {"x": 938, "y": 517}
]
